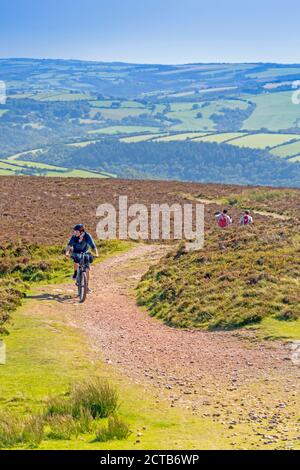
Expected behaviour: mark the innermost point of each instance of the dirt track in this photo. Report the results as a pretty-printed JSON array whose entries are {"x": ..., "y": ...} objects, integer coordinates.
[
  {"x": 233, "y": 377},
  {"x": 247, "y": 385}
]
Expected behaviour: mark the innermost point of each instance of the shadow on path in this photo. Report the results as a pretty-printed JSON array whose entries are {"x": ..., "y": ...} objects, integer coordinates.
[{"x": 61, "y": 298}]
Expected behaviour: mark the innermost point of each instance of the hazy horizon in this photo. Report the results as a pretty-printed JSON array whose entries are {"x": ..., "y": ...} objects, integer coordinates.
[
  {"x": 145, "y": 63},
  {"x": 151, "y": 32}
]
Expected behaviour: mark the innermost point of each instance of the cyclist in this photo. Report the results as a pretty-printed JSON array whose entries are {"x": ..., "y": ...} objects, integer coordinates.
[
  {"x": 80, "y": 243},
  {"x": 223, "y": 219}
]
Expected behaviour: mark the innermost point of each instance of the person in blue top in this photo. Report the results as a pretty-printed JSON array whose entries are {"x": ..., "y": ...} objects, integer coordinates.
[{"x": 79, "y": 243}]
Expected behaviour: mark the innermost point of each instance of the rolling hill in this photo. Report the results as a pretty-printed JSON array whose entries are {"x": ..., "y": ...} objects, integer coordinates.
[{"x": 54, "y": 104}]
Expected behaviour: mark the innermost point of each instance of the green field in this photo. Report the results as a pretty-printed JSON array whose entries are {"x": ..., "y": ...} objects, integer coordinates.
[
  {"x": 82, "y": 144},
  {"x": 178, "y": 137},
  {"x": 7, "y": 168},
  {"x": 188, "y": 116},
  {"x": 263, "y": 140},
  {"x": 124, "y": 130},
  {"x": 122, "y": 104},
  {"x": 51, "y": 96},
  {"x": 220, "y": 138},
  {"x": 141, "y": 138},
  {"x": 274, "y": 111},
  {"x": 289, "y": 150},
  {"x": 120, "y": 113},
  {"x": 16, "y": 156},
  {"x": 273, "y": 73},
  {"x": 240, "y": 139}
]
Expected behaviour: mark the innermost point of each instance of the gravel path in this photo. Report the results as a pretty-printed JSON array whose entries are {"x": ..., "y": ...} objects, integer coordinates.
[{"x": 234, "y": 377}]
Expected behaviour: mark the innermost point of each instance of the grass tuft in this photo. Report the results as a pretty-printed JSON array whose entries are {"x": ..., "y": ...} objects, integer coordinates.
[
  {"x": 15, "y": 430},
  {"x": 116, "y": 429},
  {"x": 96, "y": 396}
]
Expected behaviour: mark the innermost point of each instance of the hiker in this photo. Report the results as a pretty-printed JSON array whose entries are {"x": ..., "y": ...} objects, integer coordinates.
[
  {"x": 223, "y": 219},
  {"x": 246, "y": 219}
]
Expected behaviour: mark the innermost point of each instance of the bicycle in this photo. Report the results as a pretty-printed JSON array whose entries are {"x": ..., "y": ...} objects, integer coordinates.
[{"x": 81, "y": 280}]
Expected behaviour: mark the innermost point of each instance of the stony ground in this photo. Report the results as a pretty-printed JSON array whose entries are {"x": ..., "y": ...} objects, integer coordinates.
[{"x": 249, "y": 385}]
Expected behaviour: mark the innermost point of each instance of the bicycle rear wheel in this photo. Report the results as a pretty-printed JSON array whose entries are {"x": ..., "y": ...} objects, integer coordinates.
[{"x": 82, "y": 287}]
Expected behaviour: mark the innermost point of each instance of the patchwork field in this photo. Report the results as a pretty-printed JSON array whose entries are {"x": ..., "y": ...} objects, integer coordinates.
[
  {"x": 263, "y": 140},
  {"x": 60, "y": 105},
  {"x": 219, "y": 138},
  {"x": 179, "y": 137},
  {"x": 15, "y": 167},
  {"x": 288, "y": 150},
  {"x": 273, "y": 111},
  {"x": 279, "y": 144}
]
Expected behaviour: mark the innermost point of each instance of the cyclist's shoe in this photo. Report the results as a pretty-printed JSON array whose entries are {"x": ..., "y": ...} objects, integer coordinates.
[{"x": 74, "y": 275}]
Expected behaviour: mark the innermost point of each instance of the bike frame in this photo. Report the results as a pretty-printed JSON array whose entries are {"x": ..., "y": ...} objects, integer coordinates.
[{"x": 83, "y": 266}]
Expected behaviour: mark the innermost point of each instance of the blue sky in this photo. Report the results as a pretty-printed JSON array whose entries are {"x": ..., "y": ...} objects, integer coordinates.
[{"x": 152, "y": 31}]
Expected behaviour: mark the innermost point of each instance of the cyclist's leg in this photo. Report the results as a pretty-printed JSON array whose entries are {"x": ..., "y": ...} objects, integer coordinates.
[{"x": 76, "y": 264}]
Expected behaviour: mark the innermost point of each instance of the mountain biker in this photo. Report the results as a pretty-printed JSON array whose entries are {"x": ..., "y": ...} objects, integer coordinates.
[
  {"x": 223, "y": 219},
  {"x": 80, "y": 243},
  {"x": 246, "y": 218}
]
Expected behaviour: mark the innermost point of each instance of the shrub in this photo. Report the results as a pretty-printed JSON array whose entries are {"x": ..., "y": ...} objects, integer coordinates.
[
  {"x": 96, "y": 396},
  {"x": 116, "y": 428}
]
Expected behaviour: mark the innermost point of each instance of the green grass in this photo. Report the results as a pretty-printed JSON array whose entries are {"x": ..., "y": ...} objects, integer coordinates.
[
  {"x": 5, "y": 172},
  {"x": 274, "y": 111},
  {"x": 271, "y": 328},
  {"x": 45, "y": 356},
  {"x": 116, "y": 428}
]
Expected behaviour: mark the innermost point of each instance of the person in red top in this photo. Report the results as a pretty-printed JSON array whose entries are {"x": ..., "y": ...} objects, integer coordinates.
[
  {"x": 223, "y": 219},
  {"x": 246, "y": 219}
]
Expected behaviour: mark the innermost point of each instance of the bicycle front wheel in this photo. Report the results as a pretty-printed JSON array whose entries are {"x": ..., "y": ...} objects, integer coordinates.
[{"x": 82, "y": 287}]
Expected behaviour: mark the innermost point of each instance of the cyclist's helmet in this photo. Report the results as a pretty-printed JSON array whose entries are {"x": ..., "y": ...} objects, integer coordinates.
[{"x": 79, "y": 227}]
